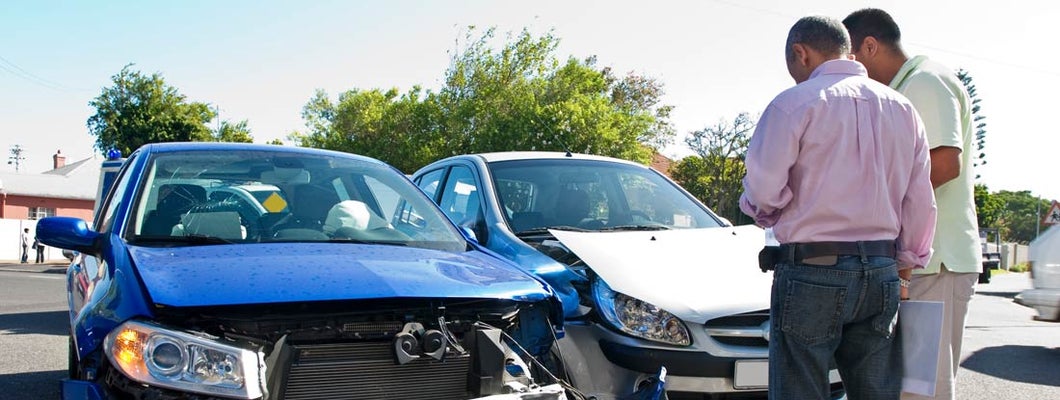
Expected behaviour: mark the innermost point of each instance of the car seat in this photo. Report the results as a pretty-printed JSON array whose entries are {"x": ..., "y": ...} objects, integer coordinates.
[
  {"x": 308, "y": 208},
  {"x": 174, "y": 200}
]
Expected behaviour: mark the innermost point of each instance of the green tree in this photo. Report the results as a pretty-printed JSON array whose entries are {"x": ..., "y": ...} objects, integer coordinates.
[
  {"x": 237, "y": 132},
  {"x": 517, "y": 97},
  {"x": 988, "y": 207},
  {"x": 396, "y": 129},
  {"x": 1019, "y": 220},
  {"x": 140, "y": 109},
  {"x": 979, "y": 158},
  {"x": 715, "y": 174}
]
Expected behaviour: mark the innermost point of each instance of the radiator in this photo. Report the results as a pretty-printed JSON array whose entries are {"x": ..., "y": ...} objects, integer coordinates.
[{"x": 367, "y": 370}]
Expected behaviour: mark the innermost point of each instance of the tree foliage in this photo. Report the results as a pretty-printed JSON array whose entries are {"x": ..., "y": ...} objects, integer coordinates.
[
  {"x": 715, "y": 174},
  {"x": 237, "y": 132},
  {"x": 140, "y": 109},
  {"x": 988, "y": 207},
  {"x": 979, "y": 158},
  {"x": 1018, "y": 219},
  {"x": 517, "y": 97}
]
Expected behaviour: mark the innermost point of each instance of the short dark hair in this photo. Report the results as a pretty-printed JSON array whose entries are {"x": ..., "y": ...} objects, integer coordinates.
[
  {"x": 820, "y": 33},
  {"x": 872, "y": 22}
]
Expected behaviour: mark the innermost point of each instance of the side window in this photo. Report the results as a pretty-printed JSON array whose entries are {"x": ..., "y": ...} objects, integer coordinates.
[
  {"x": 428, "y": 183},
  {"x": 461, "y": 201},
  {"x": 460, "y": 197},
  {"x": 113, "y": 199}
]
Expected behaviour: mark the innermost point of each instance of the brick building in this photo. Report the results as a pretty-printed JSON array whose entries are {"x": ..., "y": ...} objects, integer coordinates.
[{"x": 66, "y": 190}]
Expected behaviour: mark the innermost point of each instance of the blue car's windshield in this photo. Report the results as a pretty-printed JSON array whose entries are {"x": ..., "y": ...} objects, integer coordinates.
[
  {"x": 592, "y": 195},
  {"x": 206, "y": 197}
]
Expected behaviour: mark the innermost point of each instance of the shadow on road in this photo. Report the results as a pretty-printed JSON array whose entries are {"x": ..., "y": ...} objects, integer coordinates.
[
  {"x": 44, "y": 323},
  {"x": 42, "y": 384},
  {"x": 1010, "y": 363}
]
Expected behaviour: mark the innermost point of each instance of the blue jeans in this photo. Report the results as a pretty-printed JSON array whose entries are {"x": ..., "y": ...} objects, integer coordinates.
[{"x": 845, "y": 312}]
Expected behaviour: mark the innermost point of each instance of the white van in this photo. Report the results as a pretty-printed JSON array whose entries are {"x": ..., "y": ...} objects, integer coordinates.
[{"x": 1044, "y": 258}]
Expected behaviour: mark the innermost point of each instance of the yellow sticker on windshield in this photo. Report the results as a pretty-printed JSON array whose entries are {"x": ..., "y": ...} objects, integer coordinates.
[{"x": 275, "y": 203}]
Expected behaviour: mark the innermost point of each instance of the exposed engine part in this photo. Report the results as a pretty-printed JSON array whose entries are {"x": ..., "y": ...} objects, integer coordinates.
[
  {"x": 471, "y": 348},
  {"x": 434, "y": 344},
  {"x": 413, "y": 341}
]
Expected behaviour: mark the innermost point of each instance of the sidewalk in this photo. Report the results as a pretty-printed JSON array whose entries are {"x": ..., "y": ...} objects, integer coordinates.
[{"x": 50, "y": 266}]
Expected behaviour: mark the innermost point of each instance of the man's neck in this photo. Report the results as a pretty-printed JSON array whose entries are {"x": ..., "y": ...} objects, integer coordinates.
[{"x": 890, "y": 67}]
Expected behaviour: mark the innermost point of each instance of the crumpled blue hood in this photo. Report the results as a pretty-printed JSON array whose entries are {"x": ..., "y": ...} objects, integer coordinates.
[{"x": 293, "y": 272}]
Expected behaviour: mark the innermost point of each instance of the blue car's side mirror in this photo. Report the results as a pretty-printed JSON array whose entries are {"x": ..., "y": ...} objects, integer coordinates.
[
  {"x": 67, "y": 233},
  {"x": 469, "y": 233}
]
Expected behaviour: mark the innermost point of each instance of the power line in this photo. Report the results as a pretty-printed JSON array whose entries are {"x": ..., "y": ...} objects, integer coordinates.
[{"x": 20, "y": 72}]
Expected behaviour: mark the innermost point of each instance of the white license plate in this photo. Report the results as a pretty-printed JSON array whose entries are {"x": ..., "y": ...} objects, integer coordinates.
[{"x": 751, "y": 374}]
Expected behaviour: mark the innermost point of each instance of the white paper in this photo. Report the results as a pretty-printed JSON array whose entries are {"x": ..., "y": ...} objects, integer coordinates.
[{"x": 920, "y": 323}]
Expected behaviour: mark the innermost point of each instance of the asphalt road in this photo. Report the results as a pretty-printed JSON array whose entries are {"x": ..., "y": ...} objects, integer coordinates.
[
  {"x": 1007, "y": 355},
  {"x": 33, "y": 335}
]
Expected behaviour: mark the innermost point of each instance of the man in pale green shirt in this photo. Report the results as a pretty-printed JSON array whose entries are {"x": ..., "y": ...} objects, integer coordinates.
[{"x": 944, "y": 107}]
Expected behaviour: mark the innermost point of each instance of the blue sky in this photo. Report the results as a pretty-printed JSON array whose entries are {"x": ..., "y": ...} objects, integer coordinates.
[{"x": 262, "y": 60}]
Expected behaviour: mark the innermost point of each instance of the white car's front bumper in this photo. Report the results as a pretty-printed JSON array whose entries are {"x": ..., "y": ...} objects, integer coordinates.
[{"x": 1045, "y": 301}]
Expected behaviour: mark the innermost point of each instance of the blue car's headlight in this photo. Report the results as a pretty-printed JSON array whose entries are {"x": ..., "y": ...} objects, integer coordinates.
[
  {"x": 639, "y": 318},
  {"x": 178, "y": 360}
]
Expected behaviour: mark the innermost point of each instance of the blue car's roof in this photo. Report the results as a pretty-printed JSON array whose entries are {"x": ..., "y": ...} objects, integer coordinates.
[{"x": 171, "y": 147}]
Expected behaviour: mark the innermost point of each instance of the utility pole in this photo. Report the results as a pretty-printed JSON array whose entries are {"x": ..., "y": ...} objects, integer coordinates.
[
  {"x": 1038, "y": 214},
  {"x": 16, "y": 157}
]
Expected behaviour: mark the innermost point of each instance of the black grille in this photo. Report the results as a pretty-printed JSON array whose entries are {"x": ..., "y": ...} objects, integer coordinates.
[
  {"x": 368, "y": 371},
  {"x": 752, "y": 320}
]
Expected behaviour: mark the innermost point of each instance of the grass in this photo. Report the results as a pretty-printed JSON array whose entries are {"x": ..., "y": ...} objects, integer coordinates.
[{"x": 1021, "y": 267}]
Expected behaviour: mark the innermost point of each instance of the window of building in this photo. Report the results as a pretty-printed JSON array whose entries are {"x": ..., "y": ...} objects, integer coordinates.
[{"x": 41, "y": 212}]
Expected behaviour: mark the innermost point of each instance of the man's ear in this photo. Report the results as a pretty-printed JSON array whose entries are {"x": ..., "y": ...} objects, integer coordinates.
[
  {"x": 869, "y": 46},
  {"x": 802, "y": 57}
]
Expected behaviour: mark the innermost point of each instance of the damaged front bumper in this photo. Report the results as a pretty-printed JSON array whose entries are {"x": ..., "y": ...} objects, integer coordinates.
[{"x": 83, "y": 390}]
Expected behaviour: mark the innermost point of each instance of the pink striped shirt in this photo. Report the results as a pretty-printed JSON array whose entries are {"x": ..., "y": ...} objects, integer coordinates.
[{"x": 841, "y": 157}]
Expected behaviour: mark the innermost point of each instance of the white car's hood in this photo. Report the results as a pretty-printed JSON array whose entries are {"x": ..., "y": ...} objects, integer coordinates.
[{"x": 695, "y": 274}]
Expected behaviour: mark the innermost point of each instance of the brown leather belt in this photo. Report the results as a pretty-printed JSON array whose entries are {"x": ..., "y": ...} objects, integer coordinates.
[{"x": 797, "y": 252}]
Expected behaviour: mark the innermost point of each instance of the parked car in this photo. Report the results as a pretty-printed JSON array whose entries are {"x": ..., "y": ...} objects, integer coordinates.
[
  {"x": 351, "y": 284},
  {"x": 649, "y": 276},
  {"x": 1043, "y": 255},
  {"x": 991, "y": 252}
]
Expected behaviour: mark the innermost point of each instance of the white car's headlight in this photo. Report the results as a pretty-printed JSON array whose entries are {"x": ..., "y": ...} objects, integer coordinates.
[
  {"x": 639, "y": 318},
  {"x": 178, "y": 360}
]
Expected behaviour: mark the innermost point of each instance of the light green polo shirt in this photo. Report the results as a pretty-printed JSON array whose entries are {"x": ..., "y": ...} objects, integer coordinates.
[{"x": 944, "y": 107}]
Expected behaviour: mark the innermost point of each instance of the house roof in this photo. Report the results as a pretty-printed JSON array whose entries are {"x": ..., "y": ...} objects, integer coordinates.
[{"x": 78, "y": 180}]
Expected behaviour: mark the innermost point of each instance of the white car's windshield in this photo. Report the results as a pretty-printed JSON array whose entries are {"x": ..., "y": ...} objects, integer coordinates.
[
  {"x": 592, "y": 195},
  {"x": 205, "y": 197}
]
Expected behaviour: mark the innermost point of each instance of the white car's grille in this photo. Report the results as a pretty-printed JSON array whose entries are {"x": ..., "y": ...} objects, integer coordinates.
[{"x": 748, "y": 329}]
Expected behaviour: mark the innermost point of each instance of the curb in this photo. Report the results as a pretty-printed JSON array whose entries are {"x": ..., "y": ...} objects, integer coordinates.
[{"x": 47, "y": 268}]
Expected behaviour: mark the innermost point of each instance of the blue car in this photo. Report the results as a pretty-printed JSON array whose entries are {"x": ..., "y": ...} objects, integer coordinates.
[{"x": 335, "y": 278}]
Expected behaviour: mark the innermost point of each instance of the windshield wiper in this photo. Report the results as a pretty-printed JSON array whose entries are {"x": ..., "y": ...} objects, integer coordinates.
[
  {"x": 544, "y": 230},
  {"x": 636, "y": 228},
  {"x": 186, "y": 239},
  {"x": 359, "y": 241}
]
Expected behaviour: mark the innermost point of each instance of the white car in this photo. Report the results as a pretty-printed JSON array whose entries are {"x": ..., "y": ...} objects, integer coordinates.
[
  {"x": 1044, "y": 257},
  {"x": 649, "y": 276}
]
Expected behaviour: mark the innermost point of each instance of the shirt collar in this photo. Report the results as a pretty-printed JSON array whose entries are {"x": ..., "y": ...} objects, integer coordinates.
[
  {"x": 906, "y": 69},
  {"x": 839, "y": 66}
]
